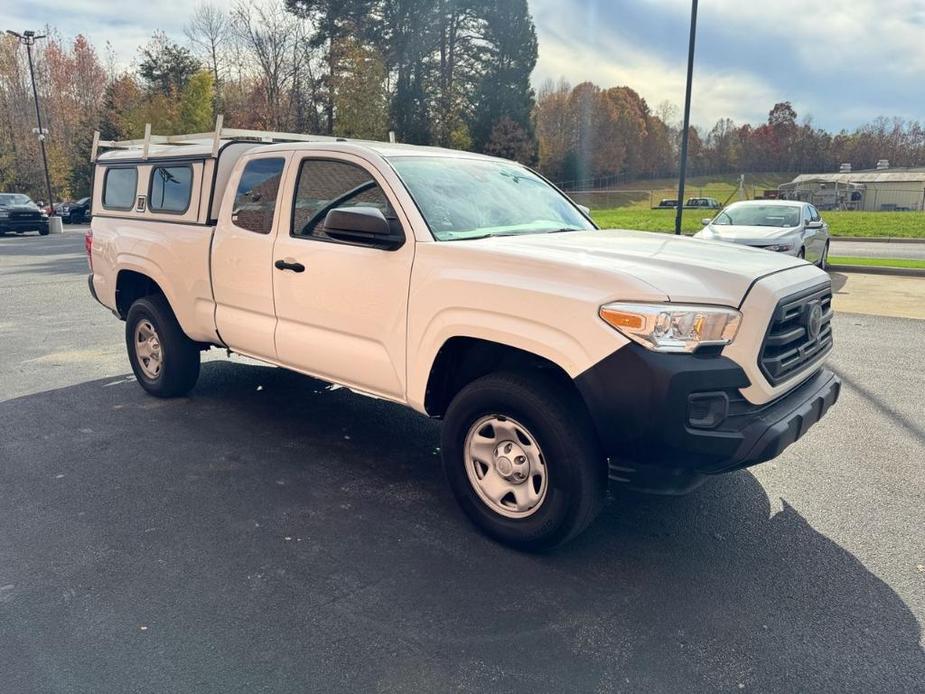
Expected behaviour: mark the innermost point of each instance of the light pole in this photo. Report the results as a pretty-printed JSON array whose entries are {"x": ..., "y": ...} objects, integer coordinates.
[
  {"x": 682, "y": 174},
  {"x": 28, "y": 38}
]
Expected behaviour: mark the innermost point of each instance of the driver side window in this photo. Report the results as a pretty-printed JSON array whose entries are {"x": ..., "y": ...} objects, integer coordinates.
[
  {"x": 324, "y": 185},
  {"x": 807, "y": 216}
]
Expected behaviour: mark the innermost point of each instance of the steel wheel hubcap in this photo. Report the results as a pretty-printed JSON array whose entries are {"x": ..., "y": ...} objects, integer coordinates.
[
  {"x": 148, "y": 349},
  {"x": 505, "y": 466}
]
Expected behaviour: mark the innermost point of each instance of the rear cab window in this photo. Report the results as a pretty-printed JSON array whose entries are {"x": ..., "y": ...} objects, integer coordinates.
[
  {"x": 119, "y": 186},
  {"x": 255, "y": 199}
]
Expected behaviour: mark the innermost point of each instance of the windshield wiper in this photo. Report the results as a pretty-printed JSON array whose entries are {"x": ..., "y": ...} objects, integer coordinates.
[{"x": 515, "y": 233}]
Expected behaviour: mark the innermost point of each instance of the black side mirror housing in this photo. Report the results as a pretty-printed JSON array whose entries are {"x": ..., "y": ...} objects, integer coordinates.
[{"x": 364, "y": 226}]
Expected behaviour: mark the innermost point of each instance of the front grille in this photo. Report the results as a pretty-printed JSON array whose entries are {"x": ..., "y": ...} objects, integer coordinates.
[
  {"x": 24, "y": 215},
  {"x": 790, "y": 345}
]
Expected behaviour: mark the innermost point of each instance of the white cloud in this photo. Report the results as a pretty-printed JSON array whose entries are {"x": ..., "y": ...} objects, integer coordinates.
[
  {"x": 842, "y": 63},
  {"x": 126, "y": 26},
  {"x": 567, "y": 49}
]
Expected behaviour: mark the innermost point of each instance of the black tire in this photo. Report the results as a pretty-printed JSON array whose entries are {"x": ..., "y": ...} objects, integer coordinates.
[
  {"x": 43, "y": 231},
  {"x": 180, "y": 356},
  {"x": 802, "y": 254},
  {"x": 576, "y": 469}
]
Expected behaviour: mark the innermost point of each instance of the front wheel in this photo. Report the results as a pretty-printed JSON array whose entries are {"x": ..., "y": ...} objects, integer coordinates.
[
  {"x": 522, "y": 459},
  {"x": 165, "y": 361},
  {"x": 43, "y": 231}
]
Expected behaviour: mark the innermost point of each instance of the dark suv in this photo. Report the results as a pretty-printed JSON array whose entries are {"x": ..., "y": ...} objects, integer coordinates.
[
  {"x": 19, "y": 214},
  {"x": 74, "y": 212}
]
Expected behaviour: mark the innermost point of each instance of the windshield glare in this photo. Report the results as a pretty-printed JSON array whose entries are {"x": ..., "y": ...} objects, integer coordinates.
[
  {"x": 759, "y": 216},
  {"x": 474, "y": 198},
  {"x": 7, "y": 199}
]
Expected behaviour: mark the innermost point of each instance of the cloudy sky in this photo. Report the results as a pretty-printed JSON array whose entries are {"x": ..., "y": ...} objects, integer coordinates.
[{"x": 843, "y": 63}]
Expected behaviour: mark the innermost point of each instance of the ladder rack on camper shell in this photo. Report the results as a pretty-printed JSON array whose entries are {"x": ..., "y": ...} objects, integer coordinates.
[{"x": 216, "y": 137}]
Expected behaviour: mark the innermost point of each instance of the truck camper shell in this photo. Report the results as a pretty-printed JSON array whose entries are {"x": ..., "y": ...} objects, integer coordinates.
[{"x": 204, "y": 160}]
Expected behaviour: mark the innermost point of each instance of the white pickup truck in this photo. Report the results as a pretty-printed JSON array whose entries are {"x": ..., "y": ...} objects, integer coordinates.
[{"x": 559, "y": 355}]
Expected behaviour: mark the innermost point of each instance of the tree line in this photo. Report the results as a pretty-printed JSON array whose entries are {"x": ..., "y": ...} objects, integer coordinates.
[
  {"x": 454, "y": 73},
  {"x": 587, "y": 135}
]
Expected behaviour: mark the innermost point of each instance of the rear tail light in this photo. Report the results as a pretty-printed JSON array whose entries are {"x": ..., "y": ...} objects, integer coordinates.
[{"x": 88, "y": 245}]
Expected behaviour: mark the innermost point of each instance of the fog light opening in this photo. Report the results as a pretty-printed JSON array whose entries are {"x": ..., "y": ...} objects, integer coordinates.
[{"x": 707, "y": 410}]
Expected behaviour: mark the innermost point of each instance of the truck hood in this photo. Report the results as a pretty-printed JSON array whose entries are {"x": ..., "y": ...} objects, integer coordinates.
[
  {"x": 741, "y": 232},
  {"x": 683, "y": 269}
]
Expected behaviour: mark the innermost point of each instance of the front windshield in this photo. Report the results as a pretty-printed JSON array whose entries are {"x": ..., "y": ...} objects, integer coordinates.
[
  {"x": 475, "y": 198},
  {"x": 759, "y": 216},
  {"x": 8, "y": 199}
]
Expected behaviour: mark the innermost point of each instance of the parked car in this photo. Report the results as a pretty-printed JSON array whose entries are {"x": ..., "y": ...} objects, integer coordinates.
[
  {"x": 19, "y": 214},
  {"x": 465, "y": 287},
  {"x": 74, "y": 212},
  {"x": 710, "y": 203},
  {"x": 784, "y": 226},
  {"x": 667, "y": 202}
]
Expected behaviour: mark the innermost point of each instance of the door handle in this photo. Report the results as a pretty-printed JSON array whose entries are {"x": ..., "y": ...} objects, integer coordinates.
[{"x": 283, "y": 265}]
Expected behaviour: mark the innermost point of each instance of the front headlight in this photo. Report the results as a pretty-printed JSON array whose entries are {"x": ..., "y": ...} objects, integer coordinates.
[
  {"x": 673, "y": 327},
  {"x": 779, "y": 247}
]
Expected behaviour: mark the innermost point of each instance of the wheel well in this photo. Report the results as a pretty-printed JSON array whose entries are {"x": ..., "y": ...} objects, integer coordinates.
[
  {"x": 461, "y": 360},
  {"x": 131, "y": 286}
]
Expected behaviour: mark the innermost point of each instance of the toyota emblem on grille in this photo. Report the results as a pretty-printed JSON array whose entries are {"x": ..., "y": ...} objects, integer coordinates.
[{"x": 813, "y": 320}]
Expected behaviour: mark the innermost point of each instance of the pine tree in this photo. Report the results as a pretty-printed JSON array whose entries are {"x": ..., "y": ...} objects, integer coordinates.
[{"x": 510, "y": 55}]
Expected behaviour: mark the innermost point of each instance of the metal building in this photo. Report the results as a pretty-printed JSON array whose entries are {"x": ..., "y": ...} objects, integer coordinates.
[{"x": 880, "y": 189}]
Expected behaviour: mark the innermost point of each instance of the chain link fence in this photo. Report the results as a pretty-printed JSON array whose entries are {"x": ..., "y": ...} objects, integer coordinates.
[{"x": 709, "y": 196}]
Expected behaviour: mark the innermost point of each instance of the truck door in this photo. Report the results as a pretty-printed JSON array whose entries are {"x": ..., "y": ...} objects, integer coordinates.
[
  {"x": 341, "y": 307},
  {"x": 242, "y": 258}
]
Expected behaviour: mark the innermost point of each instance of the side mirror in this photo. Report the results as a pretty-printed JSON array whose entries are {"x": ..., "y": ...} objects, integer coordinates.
[
  {"x": 706, "y": 221},
  {"x": 364, "y": 226},
  {"x": 814, "y": 225},
  {"x": 585, "y": 209}
]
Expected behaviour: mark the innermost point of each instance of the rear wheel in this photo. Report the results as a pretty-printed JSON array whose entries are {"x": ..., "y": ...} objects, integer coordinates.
[
  {"x": 802, "y": 254},
  {"x": 522, "y": 459},
  {"x": 165, "y": 361}
]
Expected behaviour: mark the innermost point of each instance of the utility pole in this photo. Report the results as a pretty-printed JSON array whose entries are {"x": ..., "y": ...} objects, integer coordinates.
[
  {"x": 28, "y": 38},
  {"x": 687, "y": 119}
]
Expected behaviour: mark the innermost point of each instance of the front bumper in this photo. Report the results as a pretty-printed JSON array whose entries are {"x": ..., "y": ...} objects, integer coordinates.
[
  {"x": 23, "y": 224},
  {"x": 786, "y": 246},
  {"x": 640, "y": 402}
]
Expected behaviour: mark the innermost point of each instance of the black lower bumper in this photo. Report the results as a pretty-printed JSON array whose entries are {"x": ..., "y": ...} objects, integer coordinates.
[
  {"x": 653, "y": 430},
  {"x": 15, "y": 225}
]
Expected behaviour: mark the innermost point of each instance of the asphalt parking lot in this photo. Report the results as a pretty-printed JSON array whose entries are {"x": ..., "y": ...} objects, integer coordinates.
[{"x": 271, "y": 534}]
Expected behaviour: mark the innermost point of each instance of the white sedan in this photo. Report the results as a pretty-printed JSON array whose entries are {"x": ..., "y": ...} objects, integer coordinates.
[{"x": 784, "y": 226}]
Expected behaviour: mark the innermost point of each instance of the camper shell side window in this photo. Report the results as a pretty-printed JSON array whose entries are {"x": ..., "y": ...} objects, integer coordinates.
[
  {"x": 170, "y": 188},
  {"x": 119, "y": 186}
]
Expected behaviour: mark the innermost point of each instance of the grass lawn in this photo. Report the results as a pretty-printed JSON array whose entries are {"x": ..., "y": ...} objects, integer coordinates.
[
  {"x": 860, "y": 224},
  {"x": 878, "y": 262}
]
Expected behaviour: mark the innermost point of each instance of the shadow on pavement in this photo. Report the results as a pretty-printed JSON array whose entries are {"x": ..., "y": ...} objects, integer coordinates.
[
  {"x": 271, "y": 534},
  {"x": 32, "y": 244},
  {"x": 838, "y": 281},
  {"x": 63, "y": 265}
]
